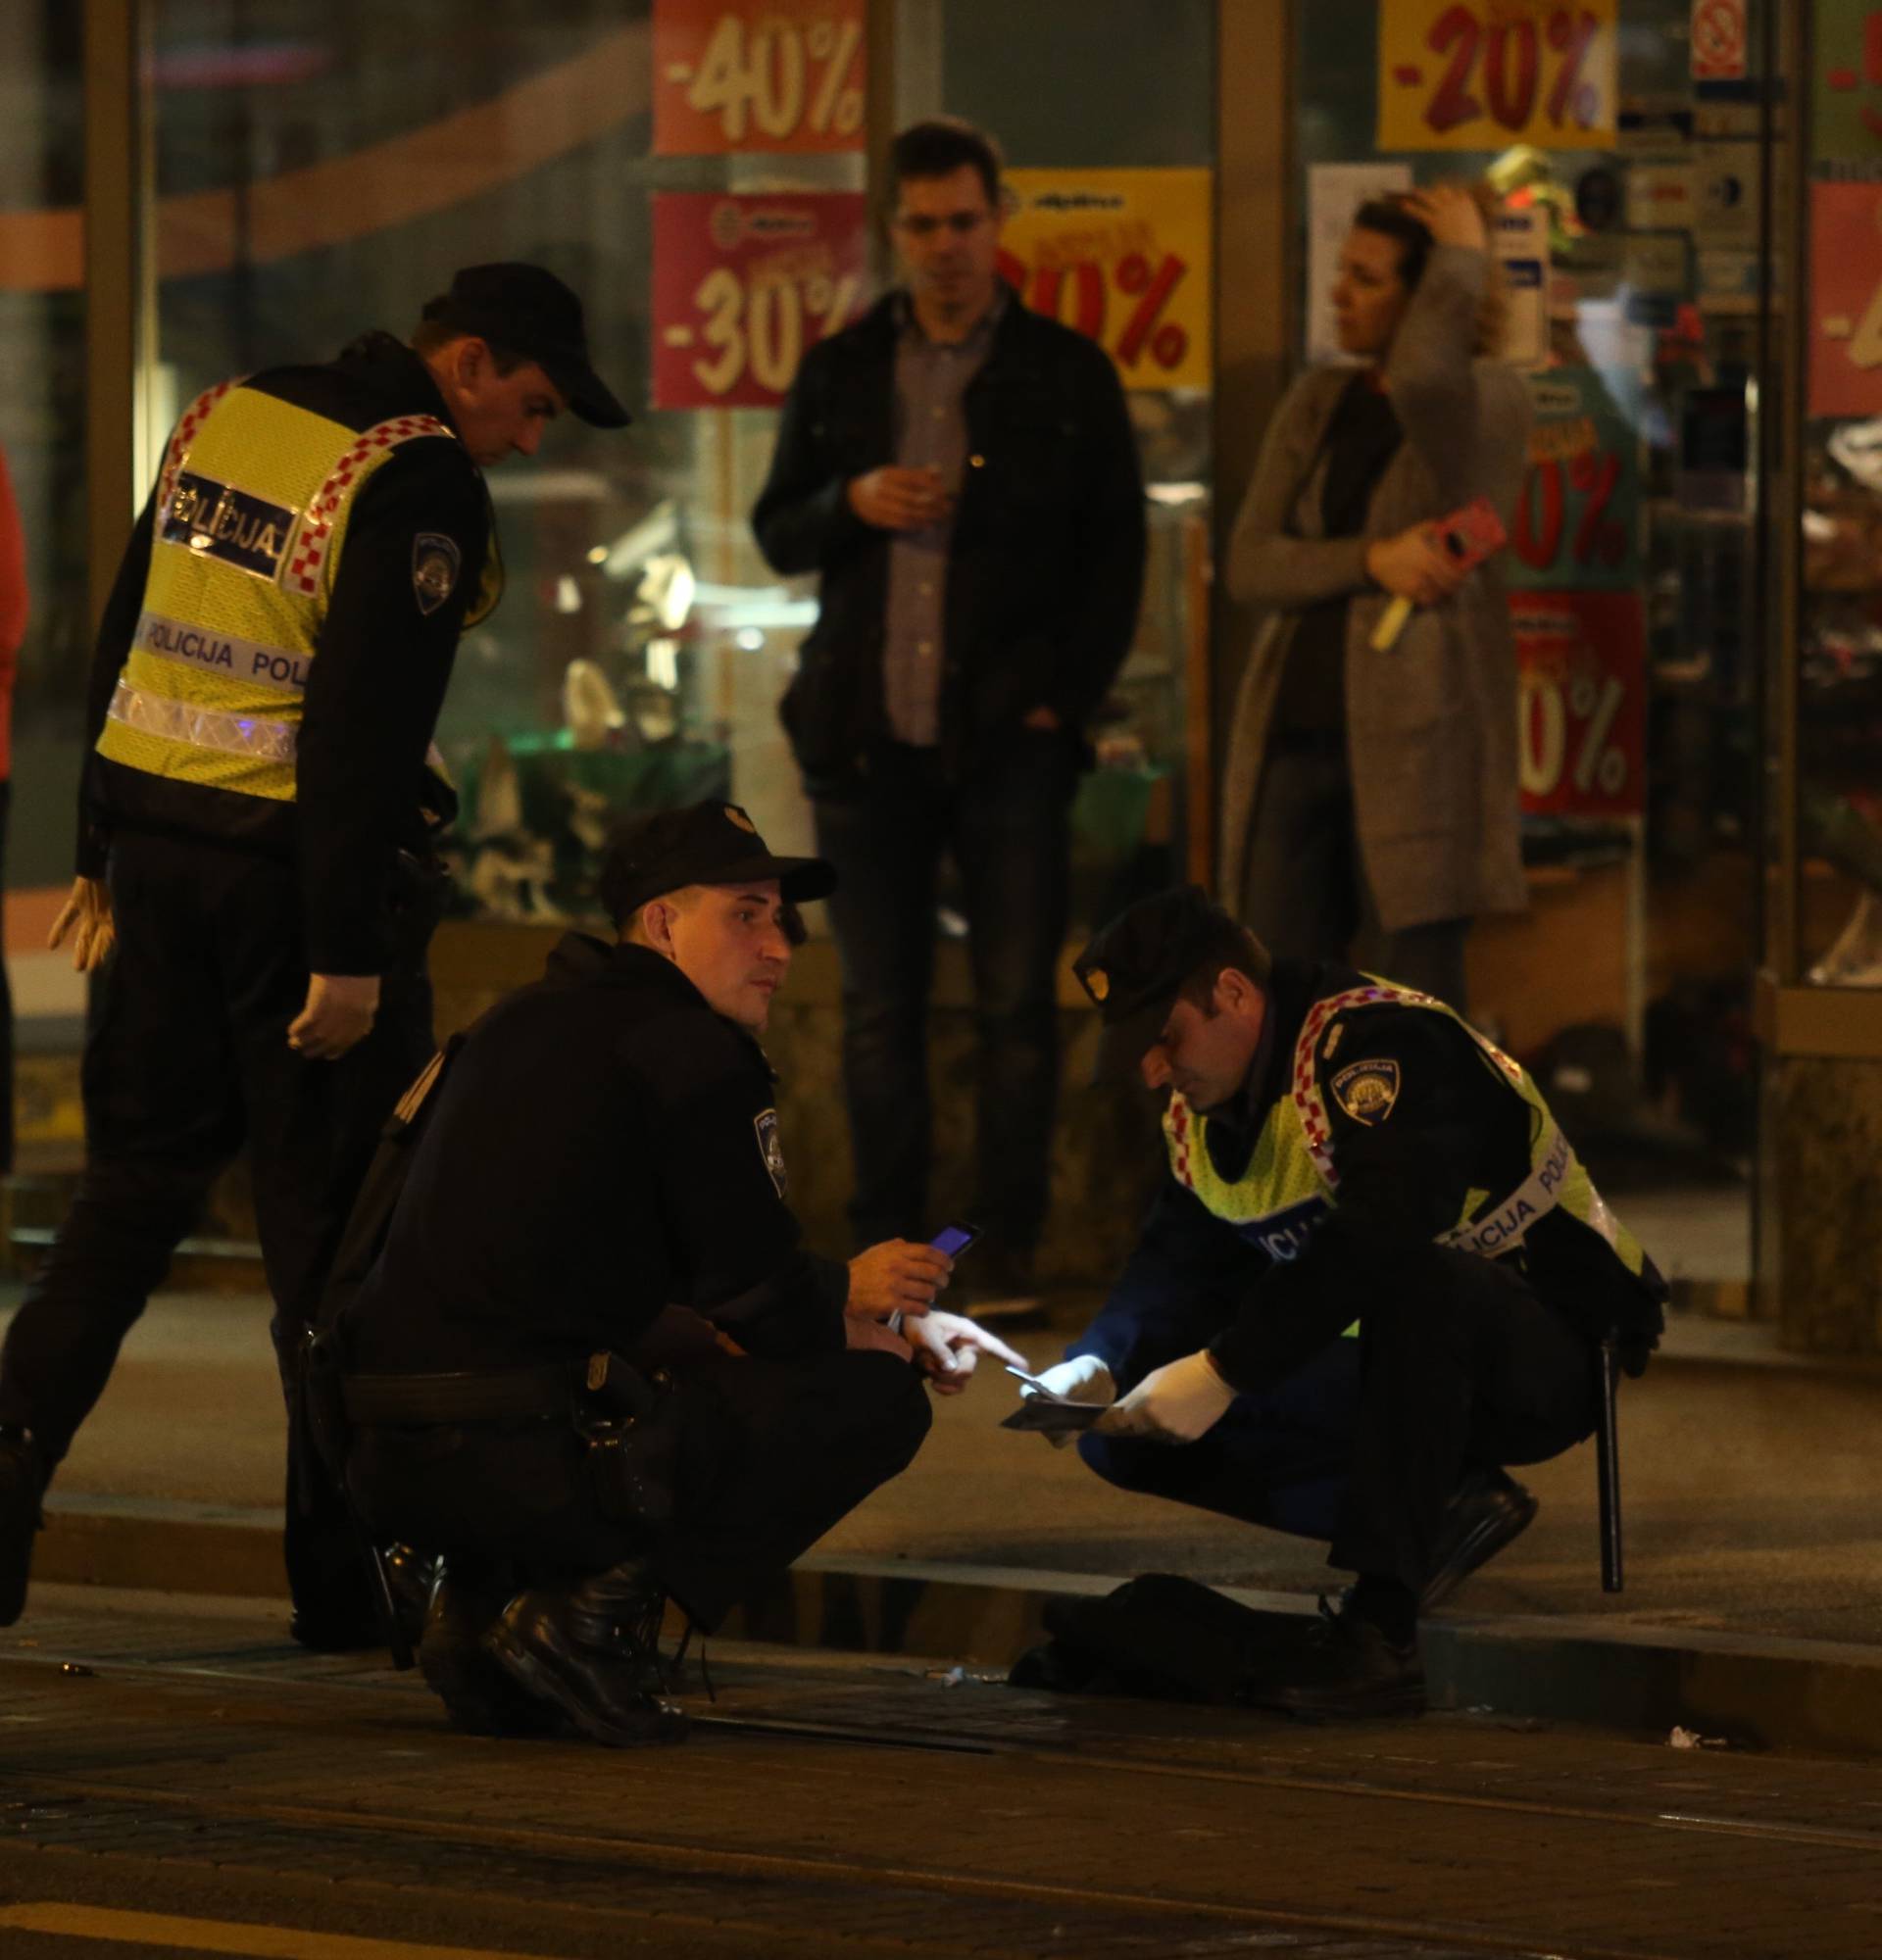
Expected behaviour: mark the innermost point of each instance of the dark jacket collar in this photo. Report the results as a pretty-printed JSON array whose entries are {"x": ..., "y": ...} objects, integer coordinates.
[
  {"x": 385, "y": 365},
  {"x": 579, "y": 959}
]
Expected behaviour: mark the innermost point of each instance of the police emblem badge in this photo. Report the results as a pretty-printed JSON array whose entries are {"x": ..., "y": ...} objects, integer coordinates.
[
  {"x": 772, "y": 1148},
  {"x": 436, "y": 562},
  {"x": 1367, "y": 1090}
]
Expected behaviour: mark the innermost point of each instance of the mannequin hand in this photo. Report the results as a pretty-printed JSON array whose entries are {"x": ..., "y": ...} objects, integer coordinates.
[
  {"x": 1177, "y": 1403},
  {"x": 86, "y": 915}
]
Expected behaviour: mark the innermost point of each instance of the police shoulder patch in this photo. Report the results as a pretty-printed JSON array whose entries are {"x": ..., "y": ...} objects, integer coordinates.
[
  {"x": 772, "y": 1148},
  {"x": 435, "y": 564},
  {"x": 1367, "y": 1090}
]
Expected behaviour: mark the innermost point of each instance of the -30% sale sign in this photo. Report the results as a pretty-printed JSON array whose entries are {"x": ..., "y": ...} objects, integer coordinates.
[
  {"x": 1124, "y": 257},
  {"x": 1481, "y": 74},
  {"x": 758, "y": 75},
  {"x": 743, "y": 284},
  {"x": 1582, "y": 662},
  {"x": 1577, "y": 520}
]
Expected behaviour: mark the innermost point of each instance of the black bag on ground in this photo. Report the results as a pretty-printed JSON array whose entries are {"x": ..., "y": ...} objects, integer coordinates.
[{"x": 1159, "y": 1637}]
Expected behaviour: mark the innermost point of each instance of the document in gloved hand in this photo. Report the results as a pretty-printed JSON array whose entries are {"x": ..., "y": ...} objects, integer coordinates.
[{"x": 1042, "y": 1413}]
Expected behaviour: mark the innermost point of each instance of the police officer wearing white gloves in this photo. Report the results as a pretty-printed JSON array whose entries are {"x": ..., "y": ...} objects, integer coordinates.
[{"x": 1375, "y": 1273}]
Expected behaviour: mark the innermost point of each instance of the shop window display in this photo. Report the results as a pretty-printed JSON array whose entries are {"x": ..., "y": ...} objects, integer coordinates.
[{"x": 1630, "y": 161}]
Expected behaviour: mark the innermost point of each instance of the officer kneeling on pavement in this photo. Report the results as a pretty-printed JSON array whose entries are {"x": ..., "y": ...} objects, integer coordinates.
[
  {"x": 592, "y": 1365},
  {"x": 1375, "y": 1274}
]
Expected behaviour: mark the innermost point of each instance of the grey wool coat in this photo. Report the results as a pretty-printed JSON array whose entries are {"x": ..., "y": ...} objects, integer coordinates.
[{"x": 1431, "y": 725}]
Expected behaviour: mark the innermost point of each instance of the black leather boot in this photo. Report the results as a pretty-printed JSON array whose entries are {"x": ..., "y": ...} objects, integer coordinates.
[
  {"x": 22, "y": 1483},
  {"x": 478, "y": 1695},
  {"x": 592, "y": 1652}
]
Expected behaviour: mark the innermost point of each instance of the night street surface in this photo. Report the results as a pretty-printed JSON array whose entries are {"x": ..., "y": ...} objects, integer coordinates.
[{"x": 207, "y": 1788}]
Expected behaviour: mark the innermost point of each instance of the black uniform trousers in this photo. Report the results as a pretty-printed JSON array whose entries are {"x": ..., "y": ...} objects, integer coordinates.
[
  {"x": 771, "y": 1456},
  {"x": 1365, "y": 1444},
  {"x": 186, "y": 1060}
]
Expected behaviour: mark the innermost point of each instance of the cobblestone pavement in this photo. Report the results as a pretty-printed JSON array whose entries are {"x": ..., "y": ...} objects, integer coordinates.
[{"x": 184, "y": 1768}]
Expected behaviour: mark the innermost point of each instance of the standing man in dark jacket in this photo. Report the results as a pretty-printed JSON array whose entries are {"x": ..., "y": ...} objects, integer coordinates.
[
  {"x": 1376, "y": 1273},
  {"x": 255, "y": 883},
  {"x": 604, "y": 1175},
  {"x": 963, "y": 476}
]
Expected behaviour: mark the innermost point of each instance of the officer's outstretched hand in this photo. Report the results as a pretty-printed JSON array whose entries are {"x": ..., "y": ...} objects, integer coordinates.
[
  {"x": 87, "y": 916},
  {"x": 1179, "y": 1402},
  {"x": 898, "y": 1276},
  {"x": 949, "y": 1349},
  {"x": 339, "y": 1014}
]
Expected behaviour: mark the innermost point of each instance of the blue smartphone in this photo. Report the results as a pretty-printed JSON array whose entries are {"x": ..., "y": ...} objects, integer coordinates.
[{"x": 955, "y": 1239}]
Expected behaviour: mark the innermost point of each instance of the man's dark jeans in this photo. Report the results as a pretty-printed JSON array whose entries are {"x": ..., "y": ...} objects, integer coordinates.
[{"x": 1007, "y": 828}]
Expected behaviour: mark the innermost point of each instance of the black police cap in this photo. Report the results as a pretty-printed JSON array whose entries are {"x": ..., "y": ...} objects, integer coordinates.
[
  {"x": 528, "y": 310},
  {"x": 704, "y": 843},
  {"x": 1134, "y": 967}
]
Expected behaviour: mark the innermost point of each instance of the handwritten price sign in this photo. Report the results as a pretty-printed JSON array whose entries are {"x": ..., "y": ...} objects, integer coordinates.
[
  {"x": 1578, "y": 522},
  {"x": 742, "y": 286},
  {"x": 1582, "y": 662},
  {"x": 757, "y": 74},
  {"x": 1124, "y": 257},
  {"x": 1481, "y": 74}
]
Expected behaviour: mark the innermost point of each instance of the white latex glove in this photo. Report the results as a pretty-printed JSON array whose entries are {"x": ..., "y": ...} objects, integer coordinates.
[
  {"x": 1082, "y": 1379},
  {"x": 86, "y": 917},
  {"x": 1180, "y": 1402}
]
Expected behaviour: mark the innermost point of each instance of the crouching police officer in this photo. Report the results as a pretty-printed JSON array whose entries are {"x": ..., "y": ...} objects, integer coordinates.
[
  {"x": 1375, "y": 1274},
  {"x": 605, "y": 1144}
]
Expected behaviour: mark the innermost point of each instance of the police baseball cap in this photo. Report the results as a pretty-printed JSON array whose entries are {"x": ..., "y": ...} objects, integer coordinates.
[
  {"x": 528, "y": 310},
  {"x": 704, "y": 843},
  {"x": 1134, "y": 967}
]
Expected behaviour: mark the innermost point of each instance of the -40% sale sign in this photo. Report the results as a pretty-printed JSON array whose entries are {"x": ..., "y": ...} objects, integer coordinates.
[
  {"x": 1582, "y": 662},
  {"x": 769, "y": 75},
  {"x": 744, "y": 284}
]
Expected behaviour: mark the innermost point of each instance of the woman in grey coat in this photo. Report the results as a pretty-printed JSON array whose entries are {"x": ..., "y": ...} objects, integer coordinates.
[{"x": 1367, "y": 795}]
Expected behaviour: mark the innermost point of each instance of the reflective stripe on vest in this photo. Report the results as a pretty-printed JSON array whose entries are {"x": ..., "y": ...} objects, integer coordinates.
[
  {"x": 253, "y": 501},
  {"x": 1292, "y": 1179}
]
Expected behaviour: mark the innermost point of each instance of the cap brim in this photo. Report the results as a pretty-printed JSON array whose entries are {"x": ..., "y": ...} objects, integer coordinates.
[
  {"x": 1121, "y": 1046},
  {"x": 588, "y": 396},
  {"x": 799, "y": 879}
]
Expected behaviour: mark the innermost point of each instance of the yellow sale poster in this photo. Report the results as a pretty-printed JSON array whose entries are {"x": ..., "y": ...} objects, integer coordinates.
[
  {"x": 1124, "y": 257},
  {"x": 1481, "y": 74}
]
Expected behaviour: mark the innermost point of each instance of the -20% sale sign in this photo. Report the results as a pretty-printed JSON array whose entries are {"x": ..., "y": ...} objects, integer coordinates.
[
  {"x": 1124, "y": 257},
  {"x": 1582, "y": 662},
  {"x": 757, "y": 74},
  {"x": 1577, "y": 520},
  {"x": 744, "y": 284},
  {"x": 1481, "y": 74}
]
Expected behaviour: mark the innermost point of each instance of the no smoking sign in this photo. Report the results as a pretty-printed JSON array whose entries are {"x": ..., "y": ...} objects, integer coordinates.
[{"x": 1718, "y": 41}]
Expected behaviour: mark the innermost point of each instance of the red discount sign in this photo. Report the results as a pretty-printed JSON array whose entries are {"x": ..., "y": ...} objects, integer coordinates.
[
  {"x": 1582, "y": 661},
  {"x": 758, "y": 75},
  {"x": 1479, "y": 74},
  {"x": 743, "y": 284}
]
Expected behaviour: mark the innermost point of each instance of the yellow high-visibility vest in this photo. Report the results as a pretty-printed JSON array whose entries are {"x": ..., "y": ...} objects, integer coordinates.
[
  {"x": 253, "y": 503},
  {"x": 1292, "y": 1180}
]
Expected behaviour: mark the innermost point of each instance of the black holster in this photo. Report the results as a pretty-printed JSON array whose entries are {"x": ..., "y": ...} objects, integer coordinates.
[{"x": 630, "y": 1422}]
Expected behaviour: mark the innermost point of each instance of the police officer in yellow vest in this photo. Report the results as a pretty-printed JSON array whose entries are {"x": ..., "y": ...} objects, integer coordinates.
[
  {"x": 1375, "y": 1273},
  {"x": 255, "y": 884}
]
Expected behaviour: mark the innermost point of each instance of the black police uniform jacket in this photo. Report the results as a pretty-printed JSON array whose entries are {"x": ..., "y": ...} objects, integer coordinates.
[
  {"x": 1452, "y": 1129},
  {"x": 372, "y": 695},
  {"x": 604, "y": 1145},
  {"x": 1045, "y": 562}
]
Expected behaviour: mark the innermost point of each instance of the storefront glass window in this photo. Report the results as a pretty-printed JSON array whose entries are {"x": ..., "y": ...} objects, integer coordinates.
[{"x": 1630, "y": 160}]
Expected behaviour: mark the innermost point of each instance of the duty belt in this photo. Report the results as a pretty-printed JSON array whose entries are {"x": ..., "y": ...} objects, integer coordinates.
[
  {"x": 491, "y": 1396},
  {"x": 603, "y": 1382}
]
